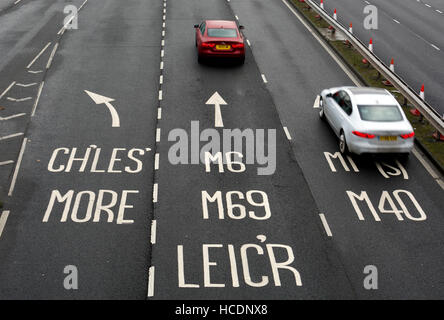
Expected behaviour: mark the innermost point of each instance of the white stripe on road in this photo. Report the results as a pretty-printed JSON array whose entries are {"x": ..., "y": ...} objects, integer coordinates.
[
  {"x": 151, "y": 282},
  {"x": 11, "y": 136},
  {"x": 160, "y": 95},
  {"x": 3, "y": 219},
  {"x": 325, "y": 224},
  {"x": 155, "y": 191},
  {"x": 428, "y": 168},
  {"x": 161, "y": 79},
  {"x": 397, "y": 21},
  {"x": 316, "y": 103},
  {"x": 7, "y": 89},
  {"x": 26, "y": 85},
  {"x": 248, "y": 42},
  {"x": 287, "y": 133},
  {"x": 159, "y": 113},
  {"x": 4, "y": 163},
  {"x": 38, "y": 56},
  {"x": 156, "y": 161},
  {"x": 17, "y": 167},
  {"x": 12, "y": 117},
  {"x": 34, "y": 108},
  {"x": 158, "y": 135},
  {"x": 153, "y": 231},
  {"x": 263, "y": 78},
  {"x": 19, "y": 100},
  {"x": 48, "y": 65}
]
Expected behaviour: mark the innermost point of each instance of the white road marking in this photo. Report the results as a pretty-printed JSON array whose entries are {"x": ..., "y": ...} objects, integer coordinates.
[
  {"x": 19, "y": 100},
  {"x": 437, "y": 48},
  {"x": 159, "y": 113},
  {"x": 163, "y": 33},
  {"x": 237, "y": 18},
  {"x": 427, "y": 5},
  {"x": 429, "y": 168},
  {"x": 38, "y": 56},
  {"x": 161, "y": 65},
  {"x": 26, "y": 85},
  {"x": 163, "y": 43},
  {"x": 99, "y": 99},
  {"x": 325, "y": 224},
  {"x": 48, "y": 65},
  {"x": 151, "y": 282},
  {"x": 263, "y": 78},
  {"x": 3, "y": 219},
  {"x": 153, "y": 231},
  {"x": 4, "y": 163},
  {"x": 160, "y": 95},
  {"x": 248, "y": 42},
  {"x": 17, "y": 167},
  {"x": 287, "y": 133},
  {"x": 34, "y": 72},
  {"x": 7, "y": 89},
  {"x": 34, "y": 108},
  {"x": 161, "y": 79},
  {"x": 397, "y": 21},
  {"x": 12, "y": 117},
  {"x": 217, "y": 101},
  {"x": 11, "y": 136},
  {"x": 325, "y": 46},
  {"x": 155, "y": 191},
  {"x": 163, "y": 17},
  {"x": 156, "y": 161},
  {"x": 17, "y": 1},
  {"x": 316, "y": 103},
  {"x": 158, "y": 135},
  {"x": 439, "y": 11},
  {"x": 162, "y": 53}
]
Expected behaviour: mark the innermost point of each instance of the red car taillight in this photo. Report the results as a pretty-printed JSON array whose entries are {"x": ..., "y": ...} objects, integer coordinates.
[
  {"x": 408, "y": 135},
  {"x": 363, "y": 135},
  {"x": 237, "y": 45},
  {"x": 208, "y": 45}
]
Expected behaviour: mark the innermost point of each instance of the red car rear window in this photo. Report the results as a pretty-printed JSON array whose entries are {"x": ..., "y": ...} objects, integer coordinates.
[{"x": 222, "y": 33}]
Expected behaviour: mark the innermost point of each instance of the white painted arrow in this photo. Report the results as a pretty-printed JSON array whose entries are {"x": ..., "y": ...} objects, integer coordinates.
[
  {"x": 217, "y": 101},
  {"x": 99, "y": 99}
]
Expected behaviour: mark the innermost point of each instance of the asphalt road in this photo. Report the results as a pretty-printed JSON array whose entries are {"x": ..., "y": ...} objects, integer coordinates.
[
  {"x": 409, "y": 31},
  {"x": 139, "y": 224}
]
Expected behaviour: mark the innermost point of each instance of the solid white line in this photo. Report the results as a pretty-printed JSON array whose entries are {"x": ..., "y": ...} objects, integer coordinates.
[
  {"x": 428, "y": 167},
  {"x": 48, "y": 65},
  {"x": 7, "y": 89},
  {"x": 11, "y": 136},
  {"x": 287, "y": 133},
  {"x": 12, "y": 117},
  {"x": 4, "y": 163},
  {"x": 263, "y": 78},
  {"x": 151, "y": 282},
  {"x": 153, "y": 232},
  {"x": 329, "y": 51},
  {"x": 19, "y": 100},
  {"x": 158, "y": 135},
  {"x": 325, "y": 224},
  {"x": 3, "y": 219},
  {"x": 41, "y": 52},
  {"x": 26, "y": 85},
  {"x": 155, "y": 191},
  {"x": 159, "y": 113},
  {"x": 156, "y": 161},
  {"x": 160, "y": 95},
  {"x": 37, "y": 99},
  {"x": 17, "y": 167}
]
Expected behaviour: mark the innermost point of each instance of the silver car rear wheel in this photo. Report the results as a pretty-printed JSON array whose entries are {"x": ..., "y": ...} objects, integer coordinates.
[
  {"x": 321, "y": 109},
  {"x": 342, "y": 143}
]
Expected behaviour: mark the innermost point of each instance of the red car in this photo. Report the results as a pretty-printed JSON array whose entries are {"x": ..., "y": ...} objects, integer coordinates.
[{"x": 220, "y": 39}]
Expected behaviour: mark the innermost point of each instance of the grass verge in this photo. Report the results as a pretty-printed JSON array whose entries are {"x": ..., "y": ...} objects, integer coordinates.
[{"x": 423, "y": 129}]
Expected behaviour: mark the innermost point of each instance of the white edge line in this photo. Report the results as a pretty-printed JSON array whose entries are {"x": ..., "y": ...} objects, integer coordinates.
[
  {"x": 287, "y": 133},
  {"x": 38, "y": 56},
  {"x": 428, "y": 168},
  {"x": 151, "y": 281},
  {"x": 325, "y": 224},
  {"x": 37, "y": 99},
  {"x": 153, "y": 231},
  {"x": 7, "y": 89},
  {"x": 3, "y": 219},
  {"x": 17, "y": 167}
]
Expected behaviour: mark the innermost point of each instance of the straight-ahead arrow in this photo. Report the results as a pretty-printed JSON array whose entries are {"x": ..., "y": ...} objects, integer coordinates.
[
  {"x": 217, "y": 101},
  {"x": 99, "y": 99}
]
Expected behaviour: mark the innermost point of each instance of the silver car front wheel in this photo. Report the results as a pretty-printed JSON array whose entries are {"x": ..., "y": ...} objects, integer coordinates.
[{"x": 321, "y": 109}]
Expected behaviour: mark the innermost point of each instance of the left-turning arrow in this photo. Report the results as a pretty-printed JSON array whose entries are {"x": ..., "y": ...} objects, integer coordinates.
[{"x": 99, "y": 99}]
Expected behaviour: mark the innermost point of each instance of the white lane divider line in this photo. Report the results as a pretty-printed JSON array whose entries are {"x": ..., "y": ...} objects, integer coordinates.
[
  {"x": 248, "y": 42},
  {"x": 26, "y": 85},
  {"x": 11, "y": 136},
  {"x": 439, "y": 11},
  {"x": 156, "y": 161},
  {"x": 160, "y": 95},
  {"x": 7, "y": 89},
  {"x": 325, "y": 224},
  {"x": 17, "y": 167},
  {"x": 287, "y": 133},
  {"x": 316, "y": 103},
  {"x": 34, "y": 107},
  {"x": 3, "y": 219},
  {"x": 4, "y": 163},
  {"x": 237, "y": 18},
  {"x": 38, "y": 56},
  {"x": 397, "y": 21},
  {"x": 263, "y": 78},
  {"x": 12, "y": 117},
  {"x": 153, "y": 231},
  {"x": 151, "y": 282},
  {"x": 17, "y": 2},
  {"x": 159, "y": 113},
  {"x": 435, "y": 47},
  {"x": 18, "y": 100},
  {"x": 161, "y": 65},
  {"x": 163, "y": 43},
  {"x": 161, "y": 79},
  {"x": 158, "y": 135},
  {"x": 155, "y": 192},
  {"x": 48, "y": 65}
]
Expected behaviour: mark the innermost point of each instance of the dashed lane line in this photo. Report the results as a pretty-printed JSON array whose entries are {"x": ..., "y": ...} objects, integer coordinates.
[
  {"x": 151, "y": 281},
  {"x": 153, "y": 231},
  {"x": 34, "y": 107},
  {"x": 287, "y": 133},
  {"x": 325, "y": 224}
]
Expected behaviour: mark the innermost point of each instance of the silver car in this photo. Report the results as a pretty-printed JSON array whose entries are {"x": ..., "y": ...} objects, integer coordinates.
[{"x": 366, "y": 120}]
